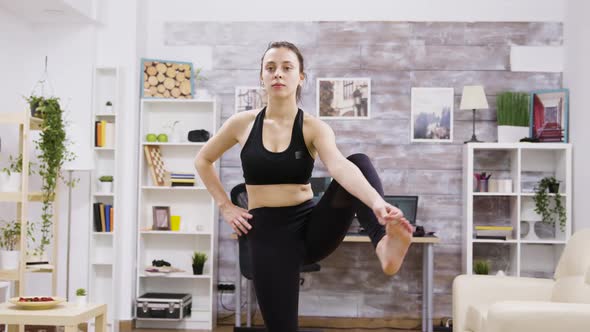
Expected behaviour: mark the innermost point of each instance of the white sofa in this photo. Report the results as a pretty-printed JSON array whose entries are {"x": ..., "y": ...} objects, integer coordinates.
[{"x": 505, "y": 304}]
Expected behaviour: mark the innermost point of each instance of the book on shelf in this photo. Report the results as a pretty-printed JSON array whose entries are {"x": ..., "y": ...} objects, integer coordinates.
[
  {"x": 494, "y": 228},
  {"x": 493, "y": 237},
  {"x": 103, "y": 215},
  {"x": 104, "y": 134}
]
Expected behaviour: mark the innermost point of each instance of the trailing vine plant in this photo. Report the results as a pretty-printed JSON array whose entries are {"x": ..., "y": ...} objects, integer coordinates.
[
  {"x": 543, "y": 206},
  {"x": 53, "y": 153}
]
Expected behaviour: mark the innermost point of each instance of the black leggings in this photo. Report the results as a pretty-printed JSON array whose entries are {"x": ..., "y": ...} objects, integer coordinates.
[{"x": 284, "y": 238}]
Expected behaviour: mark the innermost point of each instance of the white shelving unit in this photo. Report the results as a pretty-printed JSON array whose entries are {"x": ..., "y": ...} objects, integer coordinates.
[
  {"x": 194, "y": 205},
  {"x": 102, "y": 284},
  {"x": 524, "y": 164}
]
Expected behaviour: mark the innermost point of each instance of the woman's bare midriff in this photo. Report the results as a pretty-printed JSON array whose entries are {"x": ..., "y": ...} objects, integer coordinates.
[{"x": 276, "y": 195}]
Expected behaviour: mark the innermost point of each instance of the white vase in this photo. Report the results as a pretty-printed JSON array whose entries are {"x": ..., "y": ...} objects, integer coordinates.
[
  {"x": 12, "y": 182},
  {"x": 9, "y": 259},
  {"x": 105, "y": 187},
  {"x": 512, "y": 134},
  {"x": 81, "y": 300},
  {"x": 108, "y": 109},
  {"x": 202, "y": 94},
  {"x": 531, "y": 235}
]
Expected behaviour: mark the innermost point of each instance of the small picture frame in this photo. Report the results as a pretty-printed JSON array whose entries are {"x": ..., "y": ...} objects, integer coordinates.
[
  {"x": 431, "y": 114},
  {"x": 166, "y": 79},
  {"x": 161, "y": 218},
  {"x": 344, "y": 98},
  {"x": 549, "y": 115},
  {"x": 250, "y": 98}
]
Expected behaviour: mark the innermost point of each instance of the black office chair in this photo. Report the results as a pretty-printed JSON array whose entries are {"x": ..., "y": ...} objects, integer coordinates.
[{"x": 239, "y": 197}]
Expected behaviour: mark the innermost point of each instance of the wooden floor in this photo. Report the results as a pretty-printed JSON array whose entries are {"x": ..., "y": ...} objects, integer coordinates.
[{"x": 230, "y": 329}]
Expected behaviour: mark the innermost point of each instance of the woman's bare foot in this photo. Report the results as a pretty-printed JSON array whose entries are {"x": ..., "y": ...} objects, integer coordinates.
[{"x": 392, "y": 248}]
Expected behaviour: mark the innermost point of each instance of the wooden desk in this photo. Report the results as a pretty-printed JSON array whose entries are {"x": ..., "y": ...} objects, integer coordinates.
[
  {"x": 65, "y": 314},
  {"x": 427, "y": 278}
]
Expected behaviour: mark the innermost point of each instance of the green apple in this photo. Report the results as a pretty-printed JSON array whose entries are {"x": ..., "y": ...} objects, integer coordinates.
[
  {"x": 151, "y": 137},
  {"x": 162, "y": 138}
]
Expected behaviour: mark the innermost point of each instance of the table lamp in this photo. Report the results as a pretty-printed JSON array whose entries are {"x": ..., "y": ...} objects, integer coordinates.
[{"x": 473, "y": 98}]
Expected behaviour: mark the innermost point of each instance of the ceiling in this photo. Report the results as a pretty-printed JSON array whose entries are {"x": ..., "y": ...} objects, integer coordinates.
[{"x": 45, "y": 11}]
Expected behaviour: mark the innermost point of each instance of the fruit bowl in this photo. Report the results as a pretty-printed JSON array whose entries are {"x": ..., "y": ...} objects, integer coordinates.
[{"x": 36, "y": 302}]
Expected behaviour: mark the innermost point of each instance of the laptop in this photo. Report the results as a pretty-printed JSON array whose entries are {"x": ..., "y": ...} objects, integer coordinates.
[{"x": 408, "y": 205}]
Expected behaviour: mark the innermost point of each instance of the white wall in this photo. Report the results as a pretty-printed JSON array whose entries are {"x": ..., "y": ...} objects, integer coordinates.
[
  {"x": 577, "y": 79},
  {"x": 374, "y": 10},
  {"x": 118, "y": 42},
  {"x": 70, "y": 51}
]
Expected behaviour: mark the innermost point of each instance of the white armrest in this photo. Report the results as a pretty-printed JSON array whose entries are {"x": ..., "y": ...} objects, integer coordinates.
[
  {"x": 538, "y": 317},
  {"x": 483, "y": 289}
]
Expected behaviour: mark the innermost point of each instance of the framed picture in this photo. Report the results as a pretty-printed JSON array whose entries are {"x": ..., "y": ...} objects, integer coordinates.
[
  {"x": 549, "y": 112},
  {"x": 250, "y": 98},
  {"x": 344, "y": 98},
  {"x": 431, "y": 116},
  {"x": 166, "y": 79},
  {"x": 161, "y": 218}
]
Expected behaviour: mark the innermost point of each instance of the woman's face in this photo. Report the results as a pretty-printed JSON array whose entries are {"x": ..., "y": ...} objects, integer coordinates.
[{"x": 280, "y": 73}]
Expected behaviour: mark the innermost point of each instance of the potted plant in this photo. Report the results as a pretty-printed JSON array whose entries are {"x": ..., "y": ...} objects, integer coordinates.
[
  {"x": 199, "y": 259},
  {"x": 34, "y": 103},
  {"x": 200, "y": 93},
  {"x": 549, "y": 207},
  {"x": 481, "y": 267},
  {"x": 108, "y": 108},
  {"x": 53, "y": 153},
  {"x": 512, "y": 116},
  {"x": 81, "y": 296},
  {"x": 10, "y": 177},
  {"x": 105, "y": 184},
  {"x": 9, "y": 240}
]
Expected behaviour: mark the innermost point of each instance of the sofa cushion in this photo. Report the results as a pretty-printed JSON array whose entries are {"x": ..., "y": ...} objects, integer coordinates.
[
  {"x": 571, "y": 290},
  {"x": 574, "y": 260},
  {"x": 476, "y": 317}
]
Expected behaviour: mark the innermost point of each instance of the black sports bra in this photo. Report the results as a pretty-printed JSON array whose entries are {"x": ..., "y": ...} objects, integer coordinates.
[{"x": 260, "y": 166}]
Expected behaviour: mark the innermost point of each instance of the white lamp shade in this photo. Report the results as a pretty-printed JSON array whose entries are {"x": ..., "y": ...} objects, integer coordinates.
[{"x": 473, "y": 97}]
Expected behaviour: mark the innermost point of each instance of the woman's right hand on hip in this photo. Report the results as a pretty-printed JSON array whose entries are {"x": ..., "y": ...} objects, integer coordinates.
[{"x": 237, "y": 218}]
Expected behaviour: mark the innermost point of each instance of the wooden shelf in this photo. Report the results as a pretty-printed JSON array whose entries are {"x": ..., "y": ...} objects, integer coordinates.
[
  {"x": 16, "y": 197},
  {"x": 19, "y": 118},
  {"x": 512, "y": 241},
  {"x": 173, "y": 144},
  {"x": 177, "y": 275},
  {"x": 173, "y": 233},
  {"x": 170, "y": 100},
  {"x": 196, "y": 188},
  {"x": 39, "y": 268},
  {"x": 8, "y": 274},
  {"x": 494, "y": 194}
]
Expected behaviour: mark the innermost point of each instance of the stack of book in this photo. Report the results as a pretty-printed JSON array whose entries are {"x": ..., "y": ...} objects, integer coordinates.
[
  {"x": 182, "y": 180},
  {"x": 493, "y": 232},
  {"x": 104, "y": 217},
  {"x": 104, "y": 134}
]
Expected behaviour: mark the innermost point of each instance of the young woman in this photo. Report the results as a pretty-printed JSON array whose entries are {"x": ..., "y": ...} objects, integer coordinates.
[{"x": 285, "y": 229}]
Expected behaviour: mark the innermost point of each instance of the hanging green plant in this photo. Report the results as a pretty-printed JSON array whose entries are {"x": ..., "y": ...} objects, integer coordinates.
[
  {"x": 549, "y": 212},
  {"x": 53, "y": 149}
]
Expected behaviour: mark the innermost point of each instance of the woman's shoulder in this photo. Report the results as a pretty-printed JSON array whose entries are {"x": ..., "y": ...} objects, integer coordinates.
[
  {"x": 313, "y": 124},
  {"x": 244, "y": 117}
]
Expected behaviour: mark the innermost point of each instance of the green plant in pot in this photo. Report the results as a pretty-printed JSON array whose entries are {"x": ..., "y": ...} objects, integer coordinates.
[
  {"x": 512, "y": 116},
  {"x": 10, "y": 233},
  {"x": 53, "y": 153},
  {"x": 549, "y": 207},
  {"x": 481, "y": 267},
  {"x": 10, "y": 177},
  {"x": 34, "y": 103},
  {"x": 199, "y": 259},
  {"x": 106, "y": 183},
  {"x": 80, "y": 296}
]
